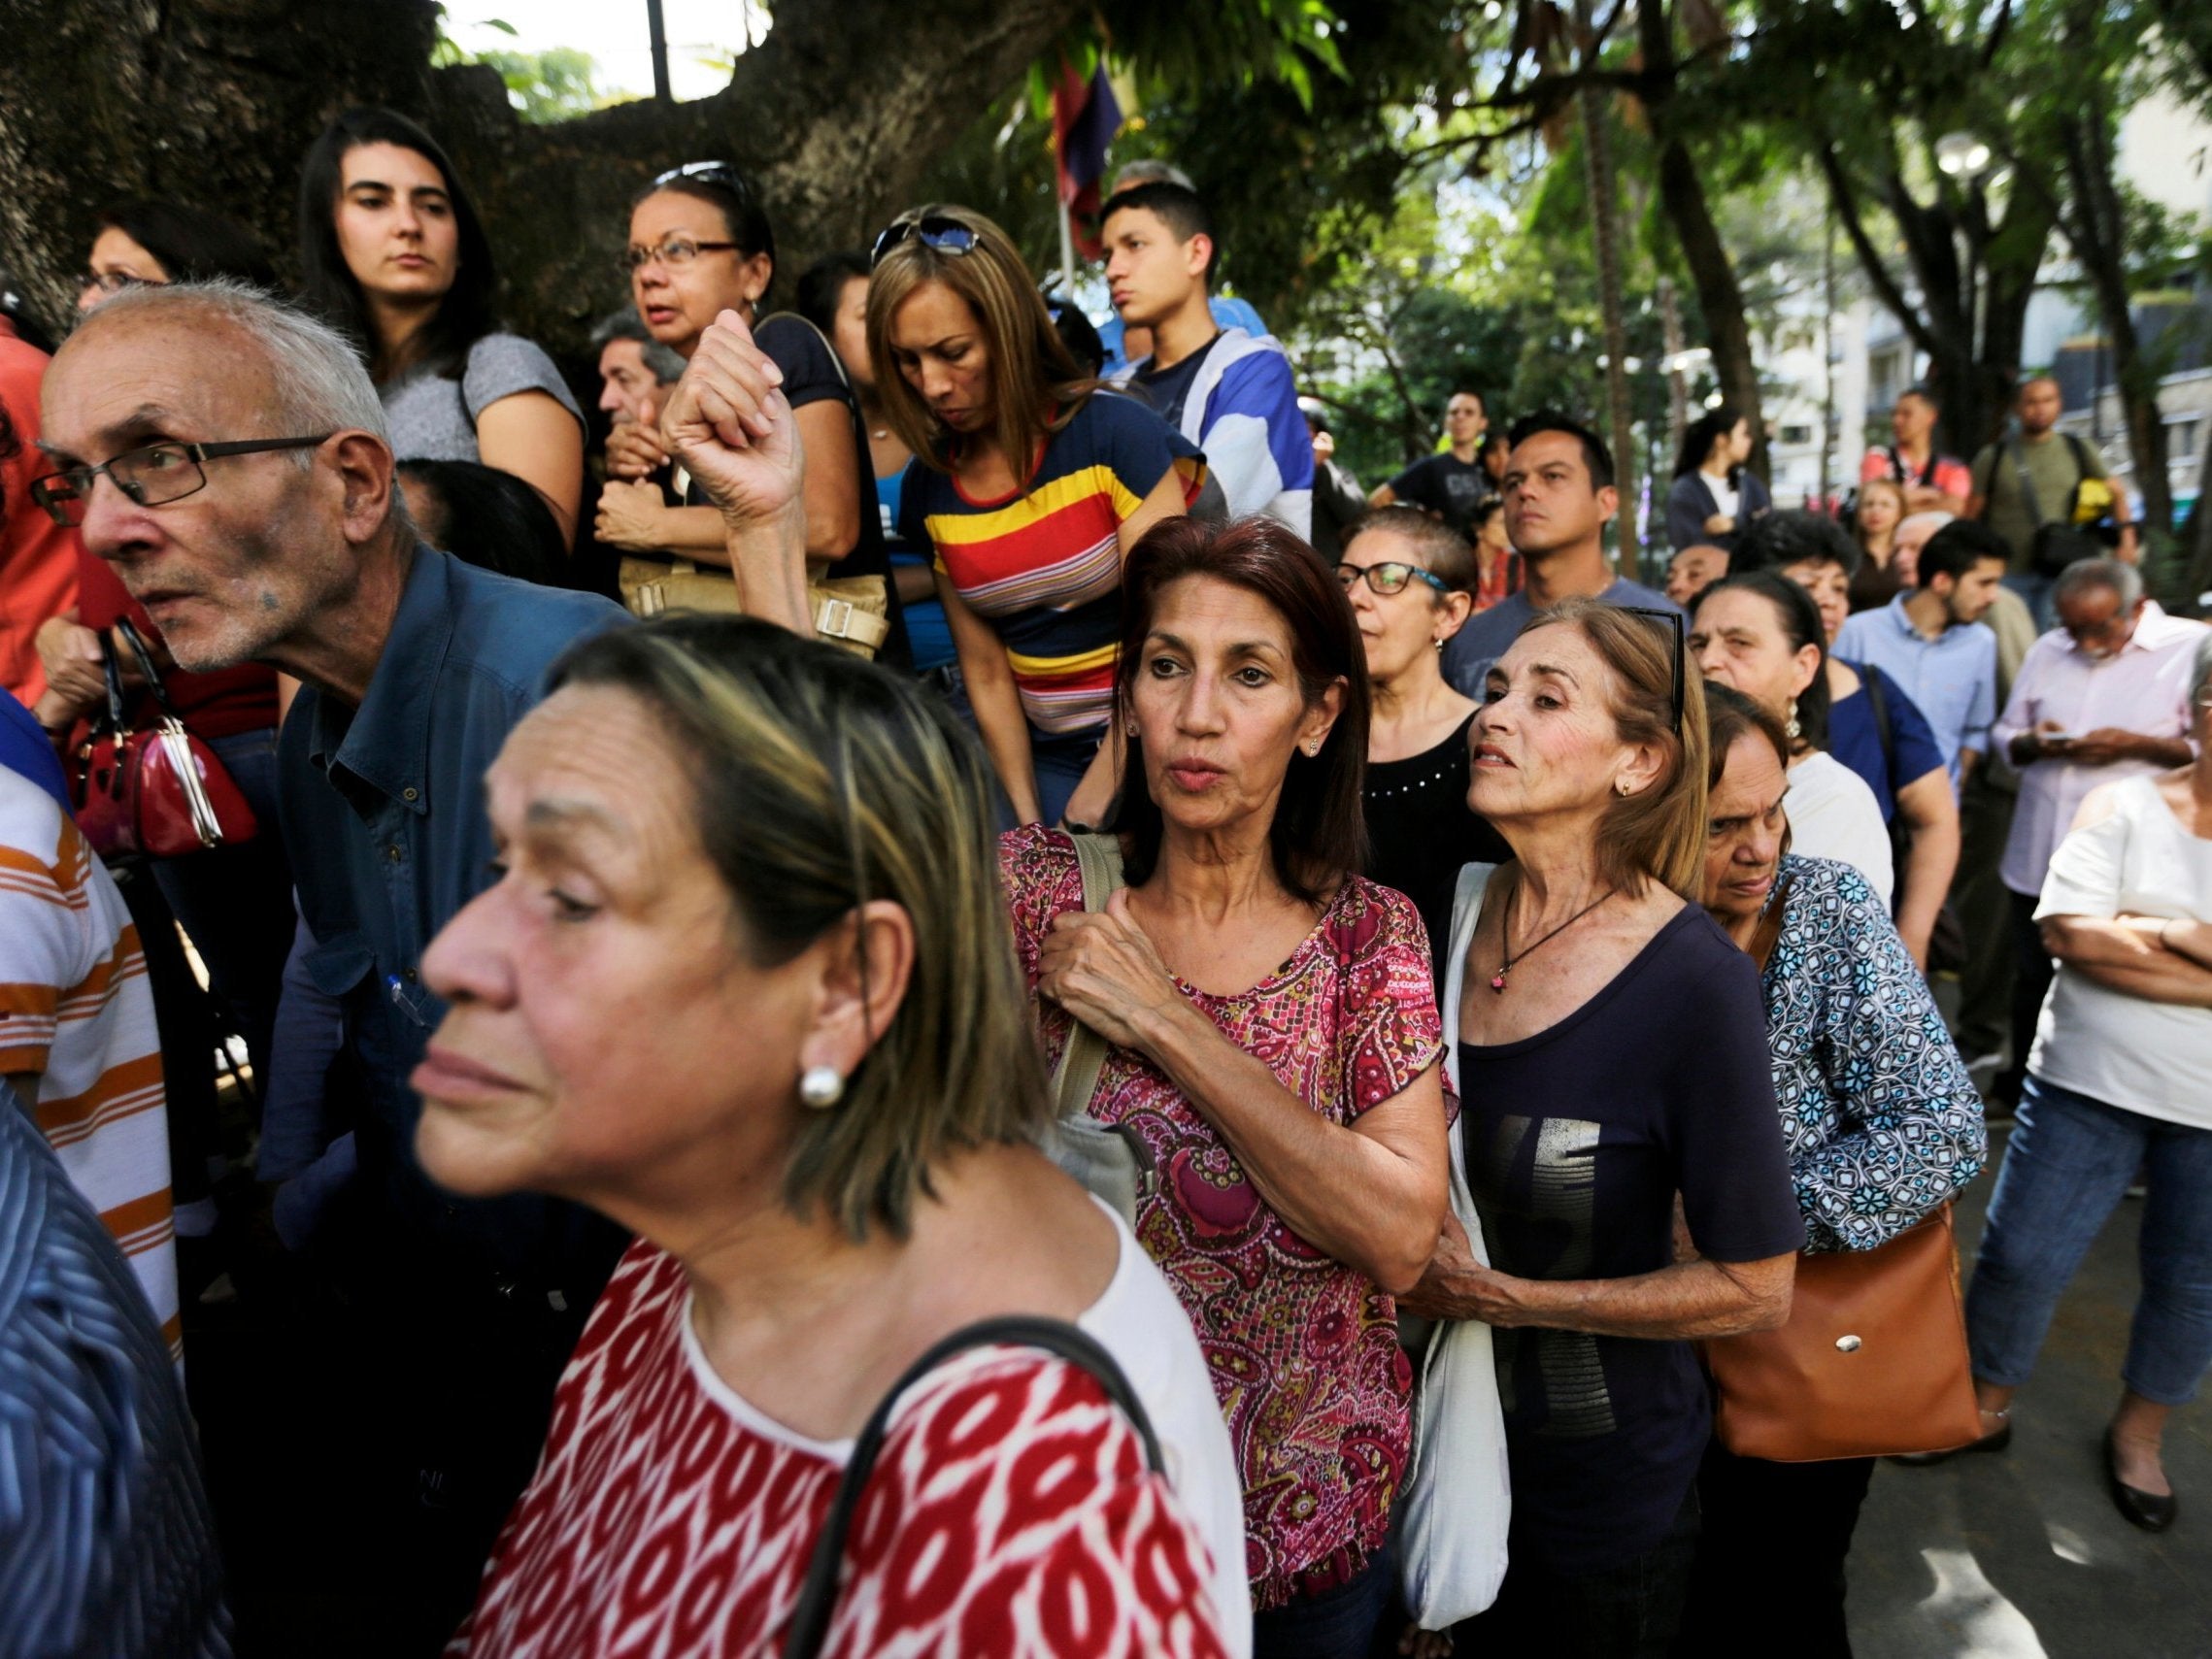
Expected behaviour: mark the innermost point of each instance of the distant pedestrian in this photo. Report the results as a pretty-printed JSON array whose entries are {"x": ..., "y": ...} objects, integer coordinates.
[
  {"x": 1453, "y": 481},
  {"x": 1713, "y": 494}
]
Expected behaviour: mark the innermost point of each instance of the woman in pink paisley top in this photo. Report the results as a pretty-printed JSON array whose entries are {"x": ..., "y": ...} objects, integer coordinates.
[{"x": 1274, "y": 1042}]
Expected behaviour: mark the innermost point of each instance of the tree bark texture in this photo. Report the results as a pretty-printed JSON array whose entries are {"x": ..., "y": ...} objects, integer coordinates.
[
  {"x": 1682, "y": 194},
  {"x": 1605, "y": 235},
  {"x": 834, "y": 117},
  {"x": 2097, "y": 228}
]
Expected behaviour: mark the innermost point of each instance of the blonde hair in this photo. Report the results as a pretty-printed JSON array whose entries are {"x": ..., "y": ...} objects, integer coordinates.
[
  {"x": 821, "y": 783},
  {"x": 1656, "y": 834},
  {"x": 1035, "y": 384}
]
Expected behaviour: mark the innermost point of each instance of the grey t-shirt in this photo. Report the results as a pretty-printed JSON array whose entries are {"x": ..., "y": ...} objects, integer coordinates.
[{"x": 434, "y": 419}]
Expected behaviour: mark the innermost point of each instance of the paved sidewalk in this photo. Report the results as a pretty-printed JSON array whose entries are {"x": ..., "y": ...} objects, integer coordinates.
[{"x": 2021, "y": 1554}]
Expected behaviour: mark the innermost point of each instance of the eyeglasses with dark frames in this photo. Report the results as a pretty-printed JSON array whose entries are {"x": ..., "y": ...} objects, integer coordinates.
[
  {"x": 673, "y": 251},
  {"x": 1389, "y": 577},
  {"x": 1673, "y": 620},
  {"x": 152, "y": 475},
  {"x": 947, "y": 235}
]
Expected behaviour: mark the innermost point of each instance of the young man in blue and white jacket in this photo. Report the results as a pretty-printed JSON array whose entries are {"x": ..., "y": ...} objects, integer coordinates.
[{"x": 1228, "y": 392}]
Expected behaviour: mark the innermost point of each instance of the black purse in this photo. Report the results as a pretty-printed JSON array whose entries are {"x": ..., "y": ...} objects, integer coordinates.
[{"x": 2056, "y": 544}]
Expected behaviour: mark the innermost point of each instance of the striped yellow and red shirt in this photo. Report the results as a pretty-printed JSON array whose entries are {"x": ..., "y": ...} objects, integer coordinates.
[
  {"x": 1043, "y": 566},
  {"x": 76, "y": 1011}
]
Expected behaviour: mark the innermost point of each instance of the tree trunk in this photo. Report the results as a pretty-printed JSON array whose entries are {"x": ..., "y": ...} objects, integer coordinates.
[
  {"x": 1606, "y": 227},
  {"x": 835, "y": 116},
  {"x": 2097, "y": 228},
  {"x": 1682, "y": 194}
]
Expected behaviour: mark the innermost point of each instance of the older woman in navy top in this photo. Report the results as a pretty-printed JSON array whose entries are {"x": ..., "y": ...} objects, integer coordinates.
[{"x": 1609, "y": 1056}]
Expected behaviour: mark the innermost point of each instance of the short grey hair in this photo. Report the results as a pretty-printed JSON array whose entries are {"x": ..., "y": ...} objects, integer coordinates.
[
  {"x": 665, "y": 362},
  {"x": 322, "y": 384},
  {"x": 2123, "y": 580}
]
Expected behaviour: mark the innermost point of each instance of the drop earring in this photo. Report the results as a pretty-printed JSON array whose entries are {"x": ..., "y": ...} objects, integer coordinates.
[
  {"x": 821, "y": 1087},
  {"x": 1791, "y": 728}
]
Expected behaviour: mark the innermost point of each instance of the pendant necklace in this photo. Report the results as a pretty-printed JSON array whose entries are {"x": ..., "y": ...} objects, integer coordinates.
[{"x": 1509, "y": 962}]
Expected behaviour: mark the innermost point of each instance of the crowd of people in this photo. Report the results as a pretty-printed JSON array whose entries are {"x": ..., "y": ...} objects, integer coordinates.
[{"x": 921, "y": 1058}]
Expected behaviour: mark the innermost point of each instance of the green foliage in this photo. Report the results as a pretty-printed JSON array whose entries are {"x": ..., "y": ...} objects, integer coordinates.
[{"x": 552, "y": 86}]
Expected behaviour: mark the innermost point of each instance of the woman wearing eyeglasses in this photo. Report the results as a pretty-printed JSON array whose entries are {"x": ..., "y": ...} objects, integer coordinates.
[
  {"x": 1610, "y": 1053},
  {"x": 1409, "y": 578},
  {"x": 1031, "y": 486},
  {"x": 391, "y": 252},
  {"x": 700, "y": 243}
]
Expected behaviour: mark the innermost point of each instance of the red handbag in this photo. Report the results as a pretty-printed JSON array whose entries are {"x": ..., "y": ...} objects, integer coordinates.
[{"x": 157, "y": 790}]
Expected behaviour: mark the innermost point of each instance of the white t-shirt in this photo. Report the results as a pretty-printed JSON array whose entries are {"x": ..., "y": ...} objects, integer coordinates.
[
  {"x": 1726, "y": 497},
  {"x": 1834, "y": 815},
  {"x": 2155, "y": 1058}
]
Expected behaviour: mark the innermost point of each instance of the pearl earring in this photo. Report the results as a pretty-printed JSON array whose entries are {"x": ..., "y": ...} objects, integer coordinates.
[
  {"x": 1622, "y": 784},
  {"x": 821, "y": 1087}
]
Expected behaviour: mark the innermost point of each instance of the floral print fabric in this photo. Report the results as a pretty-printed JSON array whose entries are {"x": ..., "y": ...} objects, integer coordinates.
[
  {"x": 1883, "y": 1123},
  {"x": 1303, "y": 1350}
]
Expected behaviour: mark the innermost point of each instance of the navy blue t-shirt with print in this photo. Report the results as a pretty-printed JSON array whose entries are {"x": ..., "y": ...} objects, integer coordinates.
[
  {"x": 1577, "y": 1140},
  {"x": 1167, "y": 390}
]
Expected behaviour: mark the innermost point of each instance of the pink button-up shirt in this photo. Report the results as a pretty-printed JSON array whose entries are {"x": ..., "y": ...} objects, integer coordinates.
[{"x": 2142, "y": 689}]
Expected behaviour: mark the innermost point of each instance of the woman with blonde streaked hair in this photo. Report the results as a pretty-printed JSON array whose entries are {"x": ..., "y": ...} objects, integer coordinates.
[
  {"x": 1609, "y": 1049},
  {"x": 743, "y": 984},
  {"x": 1031, "y": 485}
]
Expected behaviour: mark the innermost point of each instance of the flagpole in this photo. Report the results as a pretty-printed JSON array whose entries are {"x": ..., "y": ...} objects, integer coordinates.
[{"x": 1067, "y": 254}]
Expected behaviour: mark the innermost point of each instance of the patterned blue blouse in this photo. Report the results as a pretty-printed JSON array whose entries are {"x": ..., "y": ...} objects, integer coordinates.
[{"x": 1882, "y": 1121}]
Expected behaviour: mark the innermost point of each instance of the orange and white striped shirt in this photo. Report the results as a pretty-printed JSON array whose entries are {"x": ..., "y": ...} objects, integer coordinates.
[{"x": 77, "y": 1012}]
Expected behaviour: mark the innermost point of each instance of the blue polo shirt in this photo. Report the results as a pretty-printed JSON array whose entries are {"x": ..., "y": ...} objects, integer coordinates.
[
  {"x": 1951, "y": 679},
  {"x": 383, "y": 819}
]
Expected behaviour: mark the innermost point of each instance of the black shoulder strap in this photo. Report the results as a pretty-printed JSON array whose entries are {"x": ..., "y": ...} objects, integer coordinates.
[
  {"x": 1878, "y": 702},
  {"x": 818, "y": 1595}
]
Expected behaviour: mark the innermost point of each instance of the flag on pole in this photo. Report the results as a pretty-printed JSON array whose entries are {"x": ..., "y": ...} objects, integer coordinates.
[{"x": 1085, "y": 117}]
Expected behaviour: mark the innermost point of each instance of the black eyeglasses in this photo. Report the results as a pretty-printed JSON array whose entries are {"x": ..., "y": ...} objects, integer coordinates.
[
  {"x": 1673, "y": 620},
  {"x": 1389, "y": 577},
  {"x": 151, "y": 476},
  {"x": 947, "y": 235}
]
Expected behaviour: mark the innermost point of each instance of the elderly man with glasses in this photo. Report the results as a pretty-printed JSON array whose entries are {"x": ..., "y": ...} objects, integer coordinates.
[
  {"x": 227, "y": 456},
  {"x": 2101, "y": 697}
]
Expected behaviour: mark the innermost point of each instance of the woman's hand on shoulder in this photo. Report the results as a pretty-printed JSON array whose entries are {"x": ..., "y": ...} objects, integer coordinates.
[{"x": 1104, "y": 971}]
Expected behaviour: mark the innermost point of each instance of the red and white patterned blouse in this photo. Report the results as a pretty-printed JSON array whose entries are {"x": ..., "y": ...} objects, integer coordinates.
[
  {"x": 1010, "y": 1514},
  {"x": 1303, "y": 1350}
]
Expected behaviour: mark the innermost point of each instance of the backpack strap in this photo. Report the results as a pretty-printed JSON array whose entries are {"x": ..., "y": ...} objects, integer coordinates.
[
  {"x": 1075, "y": 1079},
  {"x": 818, "y": 1593}
]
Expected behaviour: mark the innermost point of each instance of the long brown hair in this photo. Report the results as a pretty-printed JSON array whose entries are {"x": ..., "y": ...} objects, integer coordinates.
[
  {"x": 1035, "y": 384},
  {"x": 1319, "y": 836}
]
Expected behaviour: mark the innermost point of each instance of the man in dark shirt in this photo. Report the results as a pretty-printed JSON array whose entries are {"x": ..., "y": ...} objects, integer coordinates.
[
  {"x": 1454, "y": 482},
  {"x": 227, "y": 456},
  {"x": 1559, "y": 498}
]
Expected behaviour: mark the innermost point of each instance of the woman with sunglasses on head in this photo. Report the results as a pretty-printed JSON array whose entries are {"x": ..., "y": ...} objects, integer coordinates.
[
  {"x": 392, "y": 252},
  {"x": 1609, "y": 1051},
  {"x": 700, "y": 243},
  {"x": 1031, "y": 486},
  {"x": 1760, "y": 633},
  {"x": 1883, "y": 1127},
  {"x": 1410, "y": 579}
]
